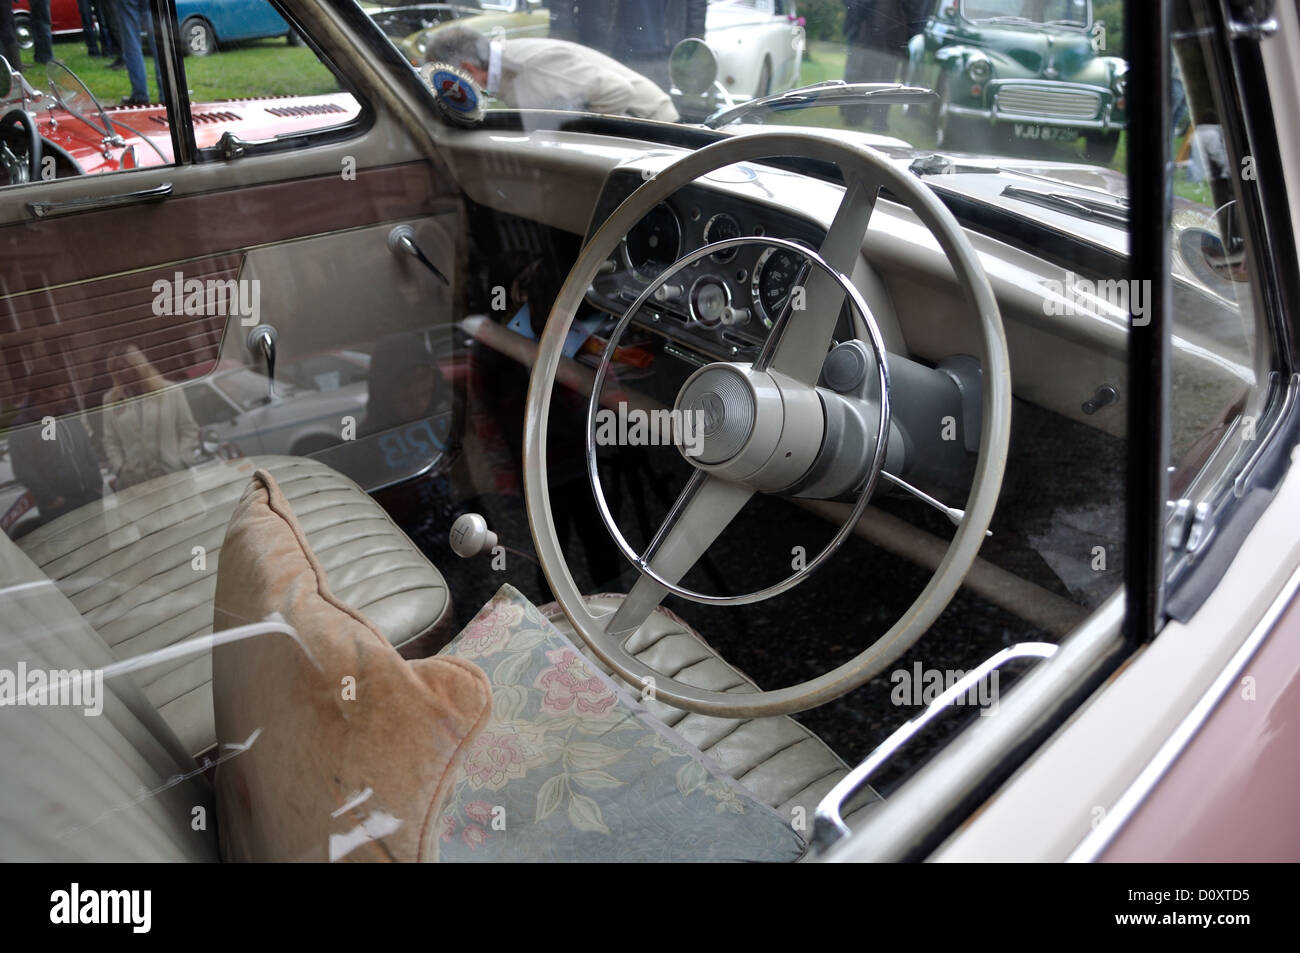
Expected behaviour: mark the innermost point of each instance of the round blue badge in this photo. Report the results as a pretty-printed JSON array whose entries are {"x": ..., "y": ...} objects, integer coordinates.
[{"x": 459, "y": 100}]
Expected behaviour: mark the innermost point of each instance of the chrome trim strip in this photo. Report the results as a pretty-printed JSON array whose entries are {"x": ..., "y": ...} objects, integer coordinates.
[
  {"x": 828, "y": 824},
  {"x": 155, "y": 194},
  {"x": 926, "y": 803},
  {"x": 1092, "y": 846}
]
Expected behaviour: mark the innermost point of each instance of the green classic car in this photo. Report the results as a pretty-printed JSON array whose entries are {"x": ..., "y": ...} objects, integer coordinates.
[
  {"x": 512, "y": 18},
  {"x": 1034, "y": 70}
]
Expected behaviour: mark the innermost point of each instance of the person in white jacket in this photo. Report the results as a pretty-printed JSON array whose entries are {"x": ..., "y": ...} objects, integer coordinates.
[
  {"x": 541, "y": 73},
  {"x": 149, "y": 430}
]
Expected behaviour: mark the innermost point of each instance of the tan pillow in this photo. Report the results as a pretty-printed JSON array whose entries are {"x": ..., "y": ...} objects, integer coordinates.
[{"x": 353, "y": 748}]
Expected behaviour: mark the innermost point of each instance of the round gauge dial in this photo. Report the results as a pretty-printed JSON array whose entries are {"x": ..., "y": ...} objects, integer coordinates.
[
  {"x": 710, "y": 300},
  {"x": 718, "y": 229},
  {"x": 775, "y": 274},
  {"x": 654, "y": 243}
]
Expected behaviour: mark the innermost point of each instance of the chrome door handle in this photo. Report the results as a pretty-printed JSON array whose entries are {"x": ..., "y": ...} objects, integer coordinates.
[
  {"x": 261, "y": 341},
  {"x": 155, "y": 194}
]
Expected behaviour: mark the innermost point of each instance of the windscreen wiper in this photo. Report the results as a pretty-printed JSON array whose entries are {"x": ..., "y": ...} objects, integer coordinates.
[
  {"x": 1114, "y": 212},
  {"x": 833, "y": 92}
]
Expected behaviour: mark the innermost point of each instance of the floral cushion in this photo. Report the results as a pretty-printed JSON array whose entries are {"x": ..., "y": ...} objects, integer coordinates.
[{"x": 572, "y": 768}]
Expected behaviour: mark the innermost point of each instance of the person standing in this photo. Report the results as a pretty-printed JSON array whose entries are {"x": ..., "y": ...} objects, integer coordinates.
[
  {"x": 86, "y": 10},
  {"x": 877, "y": 32},
  {"x": 41, "y": 35},
  {"x": 9, "y": 36},
  {"x": 543, "y": 73},
  {"x": 134, "y": 17},
  {"x": 149, "y": 430}
]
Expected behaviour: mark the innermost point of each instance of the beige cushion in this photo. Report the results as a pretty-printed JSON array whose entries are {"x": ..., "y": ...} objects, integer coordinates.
[
  {"x": 128, "y": 564},
  {"x": 348, "y": 750}
]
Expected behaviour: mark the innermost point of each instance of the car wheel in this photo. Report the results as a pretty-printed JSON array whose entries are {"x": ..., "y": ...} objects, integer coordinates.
[
  {"x": 764, "y": 79},
  {"x": 1100, "y": 147},
  {"x": 954, "y": 133},
  {"x": 23, "y": 29},
  {"x": 197, "y": 38}
]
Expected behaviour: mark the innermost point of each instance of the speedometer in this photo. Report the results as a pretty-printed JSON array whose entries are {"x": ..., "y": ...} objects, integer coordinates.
[
  {"x": 775, "y": 274},
  {"x": 654, "y": 243}
]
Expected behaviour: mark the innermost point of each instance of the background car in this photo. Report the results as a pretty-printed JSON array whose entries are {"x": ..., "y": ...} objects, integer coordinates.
[
  {"x": 205, "y": 24},
  {"x": 1030, "y": 70},
  {"x": 65, "y": 20},
  {"x": 234, "y": 406},
  {"x": 528, "y": 19},
  {"x": 758, "y": 45},
  {"x": 400, "y": 20}
]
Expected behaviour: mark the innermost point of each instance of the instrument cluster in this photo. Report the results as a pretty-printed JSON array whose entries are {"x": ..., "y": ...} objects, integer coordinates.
[{"x": 725, "y": 303}]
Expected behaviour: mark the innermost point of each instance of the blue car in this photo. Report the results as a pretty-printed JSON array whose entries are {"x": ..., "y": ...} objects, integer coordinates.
[{"x": 206, "y": 23}]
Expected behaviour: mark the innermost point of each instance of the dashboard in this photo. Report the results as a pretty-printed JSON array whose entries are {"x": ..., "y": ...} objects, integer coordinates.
[{"x": 722, "y": 305}]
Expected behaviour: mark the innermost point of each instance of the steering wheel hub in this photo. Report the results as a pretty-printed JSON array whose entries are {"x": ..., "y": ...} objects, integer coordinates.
[{"x": 757, "y": 427}]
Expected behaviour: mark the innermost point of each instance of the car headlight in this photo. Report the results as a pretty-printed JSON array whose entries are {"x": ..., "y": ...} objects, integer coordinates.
[{"x": 979, "y": 69}]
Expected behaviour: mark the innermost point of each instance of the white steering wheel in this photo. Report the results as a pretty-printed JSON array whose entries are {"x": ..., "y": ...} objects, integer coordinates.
[{"x": 766, "y": 423}]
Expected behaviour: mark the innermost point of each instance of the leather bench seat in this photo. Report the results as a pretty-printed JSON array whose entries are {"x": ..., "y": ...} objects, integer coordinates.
[
  {"x": 141, "y": 568},
  {"x": 777, "y": 759},
  {"x": 116, "y": 786}
]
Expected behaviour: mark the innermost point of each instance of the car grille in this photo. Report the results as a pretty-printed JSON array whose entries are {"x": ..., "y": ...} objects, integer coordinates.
[{"x": 1047, "y": 102}]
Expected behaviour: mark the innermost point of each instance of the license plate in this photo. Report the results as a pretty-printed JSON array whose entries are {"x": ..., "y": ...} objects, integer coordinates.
[{"x": 1032, "y": 130}]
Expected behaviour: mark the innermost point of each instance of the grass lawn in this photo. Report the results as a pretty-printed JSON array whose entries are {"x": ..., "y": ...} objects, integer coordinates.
[{"x": 259, "y": 68}]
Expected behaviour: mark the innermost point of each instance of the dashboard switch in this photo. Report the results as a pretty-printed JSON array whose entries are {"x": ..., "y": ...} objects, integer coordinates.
[
  {"x": 668, "y": 292},
  {"x": 735, "y": 316}
]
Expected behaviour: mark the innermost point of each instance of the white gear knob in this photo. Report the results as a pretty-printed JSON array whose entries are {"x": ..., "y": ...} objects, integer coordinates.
[{"x": 470, "y": 535}]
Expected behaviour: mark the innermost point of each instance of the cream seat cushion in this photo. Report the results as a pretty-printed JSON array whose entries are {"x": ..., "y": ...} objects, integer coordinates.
[
  {"x": 141, "y": 568},
  {"x": 778, "y": 760}
]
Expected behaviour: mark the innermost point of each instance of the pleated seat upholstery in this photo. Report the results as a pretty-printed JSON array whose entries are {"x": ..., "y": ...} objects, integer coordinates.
[
  {"x": 780, "y": 762},
  {"x": 141, "y": 568}
]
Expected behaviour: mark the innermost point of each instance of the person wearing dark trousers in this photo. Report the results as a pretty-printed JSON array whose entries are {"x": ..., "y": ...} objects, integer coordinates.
[
  {"x": 877, "y": 32},
  {"x": 9, "y": 35},
  {"x": 135, "y": 17},
  {"x": 41, "y": 35},
  {"x": 88, "y": 32},
  {"x": 104, "y": 16},
  {"x": 113, "y": 15}
]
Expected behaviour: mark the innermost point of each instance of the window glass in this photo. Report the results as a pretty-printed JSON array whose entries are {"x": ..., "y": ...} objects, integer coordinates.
[
  {"x": 91, "y": 97},
  {"x": 1224, "y": 351},
  {"x": 250, "y": 74}
]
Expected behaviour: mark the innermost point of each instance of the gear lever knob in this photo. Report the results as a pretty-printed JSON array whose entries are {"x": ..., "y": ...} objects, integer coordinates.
[{"x": 470, "y": 535}]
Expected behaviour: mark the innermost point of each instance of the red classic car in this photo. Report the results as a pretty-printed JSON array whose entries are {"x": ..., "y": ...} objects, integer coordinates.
[
  {"x": 65, "y": 19},
  {"x": 76, "y": 134}
]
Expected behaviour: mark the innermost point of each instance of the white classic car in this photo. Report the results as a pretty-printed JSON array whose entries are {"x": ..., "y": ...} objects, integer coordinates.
[{"x": 751, "y": 48}]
